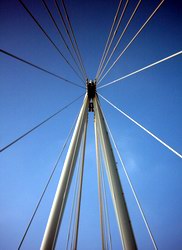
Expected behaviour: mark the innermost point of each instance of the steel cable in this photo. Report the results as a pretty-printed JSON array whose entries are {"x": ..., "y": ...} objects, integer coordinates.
[
  {"x": 142, "y": 127},
  {"x": 38, "y": 125},
  {"x": 40, "y": 68},
  {"x": 142, "y": 69},
  {"x": 68, "y": 33},
  {"x": 115, "y": 32},
  {"x": 110, "y": 33},
  {"x": 133, "y": 190},
  {"x": 61, "y": 35},
  {"x": 48, "y": 37},
  {"x": 119, "y": 40},
  {"x": 74, "y": 37},
  {"x": 135, "y": 36},
  {"x": 46, "y": 186}
]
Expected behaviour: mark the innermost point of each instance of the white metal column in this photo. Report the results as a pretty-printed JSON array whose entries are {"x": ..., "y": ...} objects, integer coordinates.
[
  {"x": 99, "y": 185},
  {"x": 76, "y": 226},
  {"x": 55, "y": 217},
  {"x": 124, "y": 224}
]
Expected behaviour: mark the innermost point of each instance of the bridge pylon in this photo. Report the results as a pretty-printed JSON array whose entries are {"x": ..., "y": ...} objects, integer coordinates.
[{"x": 90, "y": 104}]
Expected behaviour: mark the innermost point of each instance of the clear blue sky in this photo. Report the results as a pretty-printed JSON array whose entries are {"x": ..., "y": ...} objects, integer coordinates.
[{"x": 153, "y": 98}]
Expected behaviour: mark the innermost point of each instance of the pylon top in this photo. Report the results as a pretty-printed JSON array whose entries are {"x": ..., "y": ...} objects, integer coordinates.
[
  {"x": 91, "y": 88},
  {"x": 91, "y": 92}
]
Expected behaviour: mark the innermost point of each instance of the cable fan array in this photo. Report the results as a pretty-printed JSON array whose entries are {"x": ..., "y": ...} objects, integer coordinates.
[{"x": 106, "y": 163}]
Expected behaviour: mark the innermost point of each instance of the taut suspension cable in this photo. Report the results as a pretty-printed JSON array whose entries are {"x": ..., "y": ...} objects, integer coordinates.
[
  {"x": 115, "y": 32},
  {"x": 39, "y": 125},
  {"x": 135, "y": 36},
  {"x": 49, "y": 38},
  {"x": 46, "y": 186},
  {"x": 68, "y": 34},
  {"x": 142, "y": 69},
  {"x": 132, "y": 189},
  {"x": 74, "y": 38},
  {"x": 142, "y": 127},
  {"x": 119, "y": 40},
  {"x": 61, "y": 35},
  {"x": 40, "y": 68},
  {"x": 108, "y": 39}
]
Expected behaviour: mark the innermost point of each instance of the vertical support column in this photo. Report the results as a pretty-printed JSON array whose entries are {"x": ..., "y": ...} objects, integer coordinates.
[
  {"x": 55, "y": 217},
  {"x": 80, "y": 187},
  {"x": 99, "y": 185},
  {"x": 124, "y": 224}
]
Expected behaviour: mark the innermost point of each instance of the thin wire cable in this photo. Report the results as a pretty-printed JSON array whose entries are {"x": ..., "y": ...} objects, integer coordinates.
[
  {"x": 61, "y": 35},
  {"x": 119, "y": 40},
  {"x": 133, "y": 190},
  {"x": 48, "y": 37},
  {"x": 110, "y": 33},
  {"x": 74, "y": 37},
  {"x": 38, "y": 125},
  {"x": 142, "y": 69},
  {"x": 68, "y": 33},
  {"x": 115, "y": 32},
  {"x": 142, "y": 127},
  {"x": 135, "y": 36},
  {"x": 40, "y": 68},
  {"x": 106, "y": 207},
  {"x": 46, "y": 186}
]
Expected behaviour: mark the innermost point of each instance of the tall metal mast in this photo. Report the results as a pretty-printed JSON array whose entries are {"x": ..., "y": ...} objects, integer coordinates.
[
  {"x": 99, "y": 185},
  {"x": 90, "y": 103},
  {"x": 55, "y": 217},
  {"x": 77, "y": 221},
  {"x": 124, "y": 224}
]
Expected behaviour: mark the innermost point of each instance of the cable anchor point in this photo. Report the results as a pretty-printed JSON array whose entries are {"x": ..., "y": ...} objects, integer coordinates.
[{"x": 91, "y": 92}]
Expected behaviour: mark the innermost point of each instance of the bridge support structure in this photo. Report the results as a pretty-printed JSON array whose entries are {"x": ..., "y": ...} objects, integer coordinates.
[
  {"x": 121, "y": 211},
  {"x": 57, "y": 210},
  {"x": 118, "y": 199}
]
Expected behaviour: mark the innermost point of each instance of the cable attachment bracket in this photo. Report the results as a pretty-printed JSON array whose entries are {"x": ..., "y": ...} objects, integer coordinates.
[{"x": 91, "y": 92}]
